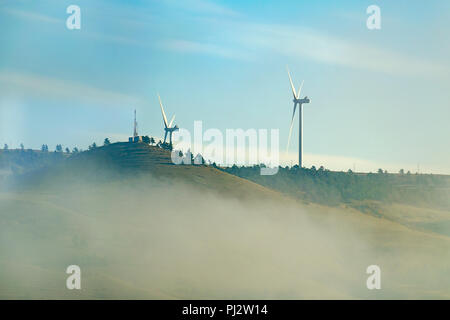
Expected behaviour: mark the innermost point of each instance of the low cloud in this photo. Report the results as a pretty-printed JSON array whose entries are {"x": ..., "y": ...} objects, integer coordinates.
[{"x": 157, "y": 238}]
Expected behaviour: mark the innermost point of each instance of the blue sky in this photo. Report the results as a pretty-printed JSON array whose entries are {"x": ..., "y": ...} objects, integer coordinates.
[{"x": 380, "y": 98}]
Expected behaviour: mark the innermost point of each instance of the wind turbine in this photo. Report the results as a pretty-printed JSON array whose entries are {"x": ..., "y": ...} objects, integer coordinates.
[
  {"x": 299, "y": 102},
  {"x": 167, "y": 126}
]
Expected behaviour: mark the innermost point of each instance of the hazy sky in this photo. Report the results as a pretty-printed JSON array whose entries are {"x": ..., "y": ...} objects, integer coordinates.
[{"x": 380, "y": 98}]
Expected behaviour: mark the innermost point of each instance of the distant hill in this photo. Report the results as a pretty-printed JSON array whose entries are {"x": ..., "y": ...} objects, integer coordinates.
[
  {"x": 20, "y": 161},
  {"x": 333, "y": 188}
]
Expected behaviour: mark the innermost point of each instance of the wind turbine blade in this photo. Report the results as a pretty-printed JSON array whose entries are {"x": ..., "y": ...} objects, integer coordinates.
[
  {"x": 292, "y": 85},
  {"x": 290, "y": 128},
  {"x": 162, "y": 111},
  {"x": 300, "y": 90},
  {"x": 171, "y": 121}
]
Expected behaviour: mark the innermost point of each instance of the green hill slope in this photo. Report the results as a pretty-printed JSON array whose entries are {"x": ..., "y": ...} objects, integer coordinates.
[{"x": 123, "y": 160}]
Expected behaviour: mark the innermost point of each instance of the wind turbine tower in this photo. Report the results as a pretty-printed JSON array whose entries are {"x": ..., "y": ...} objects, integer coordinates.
[
  {"x": 297, "y": 101},
  {"x": 135, "y": 131}
]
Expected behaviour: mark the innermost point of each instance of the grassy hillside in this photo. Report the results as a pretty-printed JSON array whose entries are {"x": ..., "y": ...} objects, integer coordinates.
[
  {"x": 123, "y": 160},
  {"x": 140, "y": 227},
  {"x": 420, "y": 201},
  {"x": 333, "y": 188}
]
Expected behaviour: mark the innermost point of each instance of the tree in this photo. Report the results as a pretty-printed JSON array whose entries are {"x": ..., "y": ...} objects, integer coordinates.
[
  {"x": 380, "y": 171},
  {"x": 188, "y": 157},
  {"x": 199, "y": 159},
  {"x": 22, "y": 147},
  {"x": 5, "y": 147},
  {"x": 146, "y": 139},
  {"x": 106, "y": 142},
  {"x": 152, "y": 141},
  {"x": 93, "y": 146},
  {"x": 67, "y": 150},
  {"x": 402, "y": 172},
  {"x": 166, "y": 146},
  {"x": 58, "y": 148},
  {"x": 44, "y": 148},
  {"x": 75, "y": 150}
]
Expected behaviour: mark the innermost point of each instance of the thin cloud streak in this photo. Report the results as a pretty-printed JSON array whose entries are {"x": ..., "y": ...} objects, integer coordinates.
[
  {"x": 250, "y": 40},
  {"x": 31, "y": 15},
  {"x": 246, "y": 41},
  {"x": 298, "y": 42},
  {"x": 22, "y": 84},
  {"x": 185, "y": 46},
  {"x": 122, "y": 40},
  {"x": 203, "y": 7}
]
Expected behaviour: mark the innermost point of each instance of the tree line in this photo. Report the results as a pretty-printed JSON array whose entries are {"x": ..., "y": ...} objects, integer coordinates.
[{"x": 333, "y": 188}]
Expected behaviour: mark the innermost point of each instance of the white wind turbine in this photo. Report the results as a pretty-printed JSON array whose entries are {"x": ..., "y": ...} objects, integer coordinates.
[
  {"x": 299, "y": 102},
  {"x": 168, "y": 129}
]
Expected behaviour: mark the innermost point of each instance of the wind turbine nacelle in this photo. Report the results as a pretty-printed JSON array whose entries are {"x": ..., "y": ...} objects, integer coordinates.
[{"x": 301, "y": 101}]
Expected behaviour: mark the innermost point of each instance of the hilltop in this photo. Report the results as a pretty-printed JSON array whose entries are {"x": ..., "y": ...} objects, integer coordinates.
[{"x": 124, "y": 160}]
